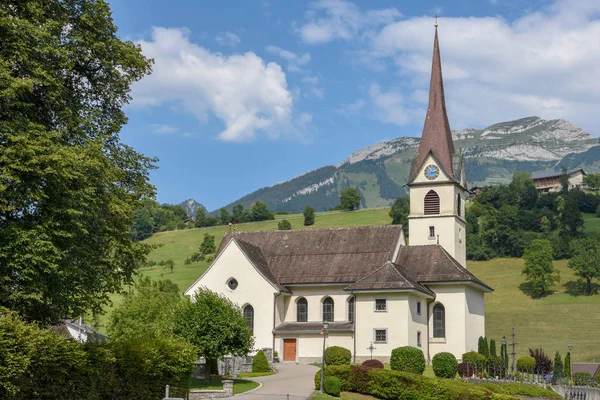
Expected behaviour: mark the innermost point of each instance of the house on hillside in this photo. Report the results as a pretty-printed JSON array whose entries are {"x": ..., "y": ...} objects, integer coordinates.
[
  {"x": 79, "y": 331},
  {"x": 365, "y": 287},
  {"x": 550, "y": 182},
  {"x": 592, "y": 368}
]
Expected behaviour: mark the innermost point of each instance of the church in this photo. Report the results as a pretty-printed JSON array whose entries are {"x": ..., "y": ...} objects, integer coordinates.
[{"x": 370, "y": 289}]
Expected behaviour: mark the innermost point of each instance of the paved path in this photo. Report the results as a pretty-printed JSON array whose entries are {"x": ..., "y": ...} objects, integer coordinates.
[{"x": 293, "y": 379}]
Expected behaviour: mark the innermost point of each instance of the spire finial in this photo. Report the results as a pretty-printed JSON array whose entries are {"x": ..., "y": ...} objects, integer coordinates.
[{"x": 436, "y": 22}]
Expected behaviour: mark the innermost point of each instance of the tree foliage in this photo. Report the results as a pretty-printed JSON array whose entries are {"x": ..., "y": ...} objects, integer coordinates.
[
  {"x": 284, "y": 225},
  {"x": 350, "y": 199},
  {"x": 309, "y": 216},
  {"x": 543, "y": 363},
  {"x": 558, "y": 368},
  {"x": 539, "y": 269},
  {"x": 69, "y": 186},
  {"x": 585, "y": 260},
  {"x": 151, "y": 217},
  {"x": 399, "y": 213},
  {"x": 147, "y": 311},
  {"x": 592, "y": 181},
  {"x": 214, "y": 325}
]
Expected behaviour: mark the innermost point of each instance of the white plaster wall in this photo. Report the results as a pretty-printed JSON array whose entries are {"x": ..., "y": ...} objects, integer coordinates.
[
  {"x": 394, "y": 320},
  {"x": 314, "y": 295},
  {"x": 452, "y": 298},
  {"x": 475, "y": 323},
  {"x": 417, "y": 323},
  {"x": 576, "y": 179},
  {"x": 252, "y": 289}
]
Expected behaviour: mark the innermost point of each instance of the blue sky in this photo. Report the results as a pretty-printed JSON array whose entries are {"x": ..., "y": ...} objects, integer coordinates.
[{"x": 245, "y": 94}]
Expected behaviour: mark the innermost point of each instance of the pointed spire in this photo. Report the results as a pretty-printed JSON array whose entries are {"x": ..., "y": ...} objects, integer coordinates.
[{"x": 437, "y": 136}]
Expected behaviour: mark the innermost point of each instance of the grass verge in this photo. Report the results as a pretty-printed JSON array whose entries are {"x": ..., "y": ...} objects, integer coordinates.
[{"x": 239, "y": 385}]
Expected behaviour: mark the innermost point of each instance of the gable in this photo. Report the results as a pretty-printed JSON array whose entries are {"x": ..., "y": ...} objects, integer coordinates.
[{"x": 419, "y": 174}]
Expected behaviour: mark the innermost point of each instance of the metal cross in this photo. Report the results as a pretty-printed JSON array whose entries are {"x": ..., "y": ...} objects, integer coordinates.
[{"x": 371, "y": 348}]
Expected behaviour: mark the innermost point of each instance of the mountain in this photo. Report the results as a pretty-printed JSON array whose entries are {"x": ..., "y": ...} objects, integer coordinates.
[
  {"x": 191, "y": 206},
  {"x": 492, "y": 156}
]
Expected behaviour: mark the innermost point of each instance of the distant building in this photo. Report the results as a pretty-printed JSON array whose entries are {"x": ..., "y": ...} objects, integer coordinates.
[
  {"x": 79, "y": 331},
  {"x": 550, "y": 182},
  {"x": 592, "y": 368},
  {"x": 474, "y": 191}
]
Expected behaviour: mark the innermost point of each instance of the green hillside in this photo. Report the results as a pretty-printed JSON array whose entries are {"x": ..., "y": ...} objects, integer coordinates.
[{"x": 553, "y": 322}]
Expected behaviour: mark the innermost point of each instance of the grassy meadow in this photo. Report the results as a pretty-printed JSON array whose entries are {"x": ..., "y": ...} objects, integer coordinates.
[{"x": 552, "y": 322}]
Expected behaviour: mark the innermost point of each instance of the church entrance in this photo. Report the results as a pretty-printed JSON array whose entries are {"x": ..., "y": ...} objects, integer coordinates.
[{"x": 289, "y": 349}]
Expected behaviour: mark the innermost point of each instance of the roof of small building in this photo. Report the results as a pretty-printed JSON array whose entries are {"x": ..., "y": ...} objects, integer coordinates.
[
  {"x": 359, "y": 257},
  {"x": 592, "y": 368},
  {"x": 555, "y": 174},
  {"x": 306, "y": 327},
  {"x": 389, "y": 276}
]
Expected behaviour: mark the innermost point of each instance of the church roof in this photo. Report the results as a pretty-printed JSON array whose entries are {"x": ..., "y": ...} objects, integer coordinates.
[
  {"x": 389, "y": 276},
  {"x": 313, "y": 327},
  {"x": 432, "y": 264},
  {"x": 337, "y": 255},
  {"x": 437, "y": 136},
  {"x": 359, "y": 258}
]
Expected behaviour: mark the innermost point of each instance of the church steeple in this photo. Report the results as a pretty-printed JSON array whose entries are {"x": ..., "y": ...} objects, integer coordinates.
[{"x": 437, "y": 137}]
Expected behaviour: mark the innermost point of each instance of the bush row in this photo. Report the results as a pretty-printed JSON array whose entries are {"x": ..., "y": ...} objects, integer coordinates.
[{"x": 41, "y": 364}]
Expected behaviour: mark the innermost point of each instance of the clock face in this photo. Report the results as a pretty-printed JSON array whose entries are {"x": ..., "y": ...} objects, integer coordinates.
[{"x": 432, "y": 172}]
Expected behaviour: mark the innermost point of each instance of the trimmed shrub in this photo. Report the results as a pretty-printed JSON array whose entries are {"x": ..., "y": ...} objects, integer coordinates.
[
  {"x": 342, "y": 372},
  {"x": 360, "y": 378},
  {"x": 260, "y": 362},
  {"x": 445, "y": 365},
  {"x": 493, "y": 348},
  {"x": 526, "y": 364},
  {"x": 473, "y": 358},
  {"x": 494, "y": 366},
  {"x": 336, "y": 355},
  {"x": 373, "y": 364},
  {"x": 582, "y": 378},
  {"x": 332, "y": 386},
  {"x": 465, "y": 370},
  {"x": 409, "y": 359}
]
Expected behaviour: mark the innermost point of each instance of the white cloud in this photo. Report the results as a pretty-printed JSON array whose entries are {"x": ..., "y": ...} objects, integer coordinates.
[
  {"x": 544, "y": 63},
  {"x": 162, "y": 129},
  {"x": 390, "y": 106},
  {"x": 228, "y": 39},
  {"x": 337, "y": 19},
  {"x": 245, "y": 93},
  {"x": 294, "y": 61},
  {"x": 312, "y": 80}
]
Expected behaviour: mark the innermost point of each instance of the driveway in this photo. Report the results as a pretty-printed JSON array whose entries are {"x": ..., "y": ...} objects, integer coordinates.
[{"x": 290, "y": 379}]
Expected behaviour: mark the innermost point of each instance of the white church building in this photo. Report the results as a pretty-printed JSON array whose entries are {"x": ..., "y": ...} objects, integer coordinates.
[{"x": 374, "y": 291}]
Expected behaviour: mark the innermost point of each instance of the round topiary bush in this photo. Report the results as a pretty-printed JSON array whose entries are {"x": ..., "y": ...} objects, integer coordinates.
[
  {"x": 409, "y": 359},
  {"x": 474, "y": 358},
  {"x": 526, "y": 364},
  {"x": 336, "y": 355},
  {"x": 444, "y": 365},
  {"x": 260, "y": 362},
  {"x": 373, "y": 364},
  {"x": 332, "y": 386}
]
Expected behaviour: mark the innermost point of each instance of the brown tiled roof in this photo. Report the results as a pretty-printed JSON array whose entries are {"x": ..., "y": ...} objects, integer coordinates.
[
  {"x": 592, "y": 368},
  {"x": 256, "y": 257},
  {"x": 314, "y": 327},
  {"x": 389, "y": 277},
  {"x": 437, "y": 137},
  {"x": 338, "y": 255},
  {"x": 433, "y": 264}
]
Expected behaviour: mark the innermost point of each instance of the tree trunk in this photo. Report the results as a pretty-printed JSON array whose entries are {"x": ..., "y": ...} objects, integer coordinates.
[
  {"x": 589, "y": 285},
  {"x": 207, "y": 371}
]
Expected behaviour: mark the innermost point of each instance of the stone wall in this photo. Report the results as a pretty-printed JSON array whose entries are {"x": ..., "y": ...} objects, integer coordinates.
[
  {"x": 233, "y": 366},
  {"x": 210, "y": 394}
]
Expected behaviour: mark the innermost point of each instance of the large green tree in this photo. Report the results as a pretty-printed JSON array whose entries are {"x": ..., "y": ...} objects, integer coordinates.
[
  {"x": 69, "y": 186},
  {"x": 350, "y": 199},
  {"x": 215, "y": 325},
  {"x": 585, "y": 260},
  {"x": 399, "y": 213},
  {"x": 539, "y": 269},
  {"x": 146, "y": 312},
  {"x": 260, "y": 212},
  {"x": 309, "y": 216},
  {"x": 592, "y": 181}
]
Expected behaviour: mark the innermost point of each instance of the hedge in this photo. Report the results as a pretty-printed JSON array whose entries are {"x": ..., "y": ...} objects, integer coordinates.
[
  {"x": 331, "y": 386},
  {"x": 336, "y": 355},
  {"x": 444, "y": 365},
  {"x": 582, "y": 378},
  {"x": 260, "y": 362},
  {"x": 409, "y": 359},
  {"x": 526, "y": 364},
  {"x": 373, "y": 364},
  {"x": 473, "y": 358},
  {"x": 342, "y": 372}
]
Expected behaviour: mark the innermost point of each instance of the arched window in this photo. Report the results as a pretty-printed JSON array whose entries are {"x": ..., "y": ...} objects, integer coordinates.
[
  {"x": 302, "y": 310},
  {"x": 458, "y": 205},
  {"x": 249, "y": 316},
  {"x": 328, "y": 310},
  {"x": 351, "y": 303},
  {"x": 439, "y": 321},
  {"x": 432, "y": 203}
]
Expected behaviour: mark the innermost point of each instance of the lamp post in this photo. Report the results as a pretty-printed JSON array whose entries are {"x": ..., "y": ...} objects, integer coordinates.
[
  {"x": 570, "y": 363},
  {"x": 324, "y": 333}
]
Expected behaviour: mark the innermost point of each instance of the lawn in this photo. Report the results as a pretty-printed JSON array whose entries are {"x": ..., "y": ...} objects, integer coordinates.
[
  {"x": 239, "y": 385},
  {"x": 591, "y": 223}
]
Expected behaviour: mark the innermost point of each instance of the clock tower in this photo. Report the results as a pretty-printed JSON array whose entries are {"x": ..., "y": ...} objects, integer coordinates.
[{"x": 437, "y": 179}]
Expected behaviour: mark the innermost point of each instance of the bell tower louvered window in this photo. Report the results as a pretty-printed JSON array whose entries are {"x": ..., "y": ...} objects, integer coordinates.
[
  {"x": 458, "y": 205},
  {"x": 432, "y": 203}
]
